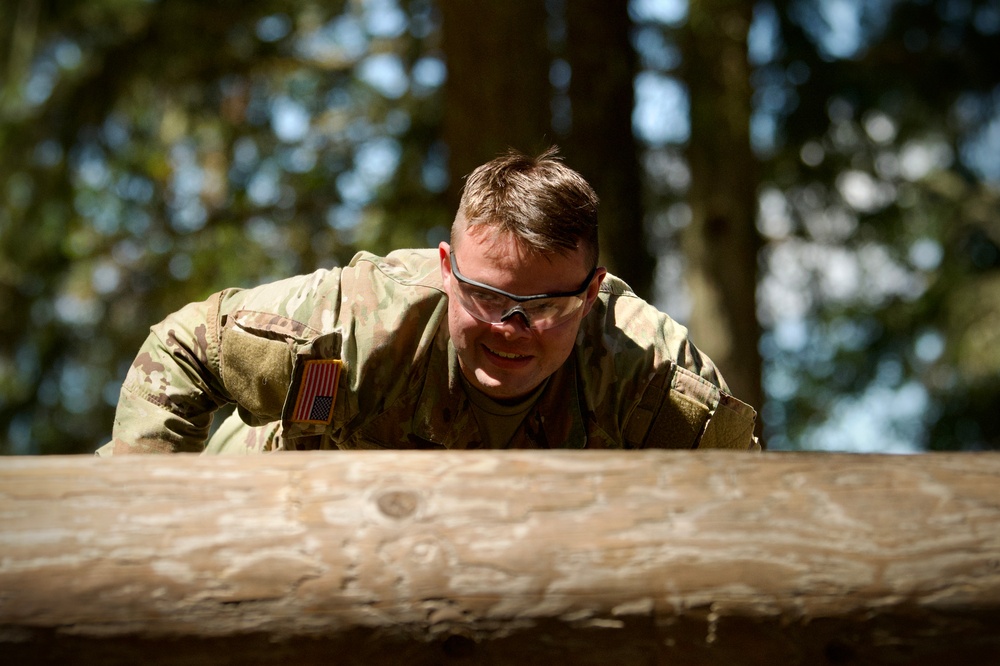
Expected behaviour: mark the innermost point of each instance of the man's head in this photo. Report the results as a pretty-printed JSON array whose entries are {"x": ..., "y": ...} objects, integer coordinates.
[
  {"x": 539, "y": 201},
  {"x": 521, "y": 271}
]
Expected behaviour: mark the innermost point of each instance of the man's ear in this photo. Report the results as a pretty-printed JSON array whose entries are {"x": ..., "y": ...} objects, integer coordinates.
[
  {"x": 444, "y": 257},
  {"x": 594, "y": 289}
]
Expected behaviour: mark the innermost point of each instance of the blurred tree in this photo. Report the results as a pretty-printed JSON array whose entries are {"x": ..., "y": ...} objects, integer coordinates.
[
  {"x": 601, "y": 66},
  {"x": 721, "y": 242},
  {"x": 876, "y": 128},
  {"x": 497, "y": 94}
]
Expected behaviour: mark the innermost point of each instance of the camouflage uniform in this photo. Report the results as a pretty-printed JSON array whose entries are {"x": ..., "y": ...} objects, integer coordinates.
[{"x": 634, "y": 379}]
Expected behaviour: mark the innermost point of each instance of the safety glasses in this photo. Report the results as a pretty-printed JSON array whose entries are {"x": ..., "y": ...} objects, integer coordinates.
[{"x": 494, "y": 306}]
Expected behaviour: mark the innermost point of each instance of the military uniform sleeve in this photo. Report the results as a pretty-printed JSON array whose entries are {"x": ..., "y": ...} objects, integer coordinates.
[
  {"x": 173, "y": 387},
  {"x": 682, "y": 410},
  {"x": 648, "y": 385},
  {"x": 239, "y": 346}
]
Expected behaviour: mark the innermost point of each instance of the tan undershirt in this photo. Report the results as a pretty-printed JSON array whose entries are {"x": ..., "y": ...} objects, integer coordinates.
[{"x": 499, "y": 421}]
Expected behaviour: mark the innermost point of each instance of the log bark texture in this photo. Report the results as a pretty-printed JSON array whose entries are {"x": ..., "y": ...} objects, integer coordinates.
[{"x": 524, "y": 557}]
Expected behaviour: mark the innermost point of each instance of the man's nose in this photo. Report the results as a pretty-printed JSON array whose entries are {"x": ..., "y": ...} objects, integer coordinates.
[{"x": 512, "y": 324}]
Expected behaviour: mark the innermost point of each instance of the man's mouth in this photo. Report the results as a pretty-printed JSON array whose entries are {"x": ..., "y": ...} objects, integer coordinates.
[{"x": 506, "y": 355}]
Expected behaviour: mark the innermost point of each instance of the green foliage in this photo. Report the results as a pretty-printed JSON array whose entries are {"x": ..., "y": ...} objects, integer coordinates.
[
  {"x": 878, "y": 214},
  {"x": 155, "y": 152}
]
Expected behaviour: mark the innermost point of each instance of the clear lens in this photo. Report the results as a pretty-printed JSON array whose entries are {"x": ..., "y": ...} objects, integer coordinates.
[{"x": 493, "y": 308}]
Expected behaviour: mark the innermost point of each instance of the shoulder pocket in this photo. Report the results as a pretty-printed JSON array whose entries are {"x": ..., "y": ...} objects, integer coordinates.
[
  {"x": 258, "y": 350},
  {"x": 731, "y": 426},
  {"x": 672, "y": 412}
]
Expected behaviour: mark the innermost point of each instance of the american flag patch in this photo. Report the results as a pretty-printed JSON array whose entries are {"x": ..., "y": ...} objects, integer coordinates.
[{"x": 317, "y": 391}]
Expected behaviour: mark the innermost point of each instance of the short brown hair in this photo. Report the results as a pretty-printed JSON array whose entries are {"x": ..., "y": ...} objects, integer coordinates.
[{"x": 539, "y": 200}]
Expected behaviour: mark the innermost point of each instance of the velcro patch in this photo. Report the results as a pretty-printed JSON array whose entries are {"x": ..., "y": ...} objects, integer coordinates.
[{"x": 317, "y": 391}]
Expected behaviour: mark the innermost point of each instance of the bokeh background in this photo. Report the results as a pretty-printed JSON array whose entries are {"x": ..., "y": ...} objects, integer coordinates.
[{"x": 812, "y": 186}]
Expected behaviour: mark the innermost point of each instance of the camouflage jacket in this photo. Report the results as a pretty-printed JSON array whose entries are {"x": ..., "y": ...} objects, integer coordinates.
[{"x": 634, "y": 379}]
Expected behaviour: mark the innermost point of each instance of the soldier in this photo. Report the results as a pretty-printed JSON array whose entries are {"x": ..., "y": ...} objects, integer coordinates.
[{"x": 509, "y": 336}]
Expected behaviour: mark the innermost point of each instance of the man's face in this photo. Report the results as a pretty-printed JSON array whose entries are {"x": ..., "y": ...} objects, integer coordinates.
[{"x": 508, "y": 360}]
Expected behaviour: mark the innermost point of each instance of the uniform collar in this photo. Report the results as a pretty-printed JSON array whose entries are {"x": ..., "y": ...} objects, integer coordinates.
[{"x": 443, "y": 415}]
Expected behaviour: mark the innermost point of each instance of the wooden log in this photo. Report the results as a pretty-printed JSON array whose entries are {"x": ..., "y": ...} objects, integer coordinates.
[{"x": 526, "y": 557}]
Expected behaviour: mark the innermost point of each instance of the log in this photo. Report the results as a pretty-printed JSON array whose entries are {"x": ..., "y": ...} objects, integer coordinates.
[{"x": 525, "y": 557}]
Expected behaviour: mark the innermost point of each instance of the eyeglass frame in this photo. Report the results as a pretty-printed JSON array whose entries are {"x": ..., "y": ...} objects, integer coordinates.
[{"x": 517, "y": 309}]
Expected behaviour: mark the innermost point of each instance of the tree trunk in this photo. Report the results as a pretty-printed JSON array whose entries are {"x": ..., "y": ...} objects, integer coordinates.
[
  {"x": 600, "y": 144},
  {"x": 722, "y": 242},
  {"x": 497, "y": 95},
  {"x": 528, "y": 557}
]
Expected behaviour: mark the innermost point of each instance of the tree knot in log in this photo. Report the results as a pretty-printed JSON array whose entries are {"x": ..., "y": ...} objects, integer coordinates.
[{"x": 398, "y": 504}]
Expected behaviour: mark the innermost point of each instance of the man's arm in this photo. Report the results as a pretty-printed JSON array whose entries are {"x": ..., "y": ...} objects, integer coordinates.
[
  {"x": 236, "y": 347},
  {"x": 682, "y": 410},
  {"x": 173, "y": 387}
]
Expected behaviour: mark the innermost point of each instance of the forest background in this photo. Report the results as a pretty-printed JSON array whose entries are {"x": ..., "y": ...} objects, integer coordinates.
[{"x": 812, "y": 186}]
